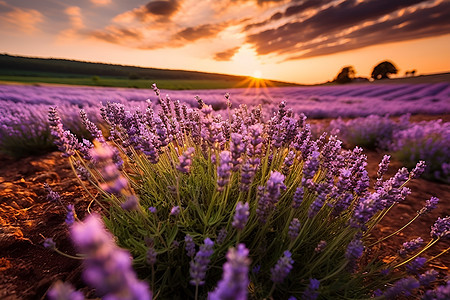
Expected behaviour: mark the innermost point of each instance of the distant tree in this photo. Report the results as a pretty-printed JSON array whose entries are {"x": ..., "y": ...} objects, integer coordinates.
[
  {"x": 413, "y": 73},
  {"x": 383, "y": 70},
  {"x": 346, "y": 75},
  {"x": 407, "y": 73}
]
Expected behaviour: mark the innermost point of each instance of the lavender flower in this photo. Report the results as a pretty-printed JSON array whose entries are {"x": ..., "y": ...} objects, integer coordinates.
[
  {"x": 52, "y": 196},
  {"x": 294, "y": 228},
  {"x": 442, "y": 292},
  {"x": 441, "y": 228},
  {"x": 114, "y": 181},
  {"x": 186, "y": 160},
  {"x": 403, "y": 286},
  {"x": 428, "y": 277},
  {"x": 189, "y": 245},
  {"x": 223, "y": 170},
  {"x": 241, "y": 215},
  {"x": 430, "y": 205},
  {"x": 49, "y": 243},
  {"x": 70, "y": 217},
  {"x": 199, "y": 265},
  {"x": 269, "y": 195},
  {"x": 221, "y": 236},
  {"x": 151, "y": 255},
  {"x": 414, "y": 266},
  {"x": 175, "y": 211},
  {"x": 383, "y": 166},
  {"x": 107, "y": 267},
  {"x": 64, "y": 291},
  {"x": 152, "y": 210},
  {"x": 282, "y": 268},
  {"x": 310, "y": 292},
  {"x": 237, "y": 148},
  {"x": 418, "y": 170},
  {"x": 320, "y": 246},
  {"x": 235, "y": 276},
  {"x": 298, "y": 197},
  {"x": 354, "y": 251},
  {"x": 410, "y": 246}
]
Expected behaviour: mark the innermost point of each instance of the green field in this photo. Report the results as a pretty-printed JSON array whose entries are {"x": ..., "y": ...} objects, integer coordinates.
[
  {"x": 171, "y": 84},
  {"x": 32, "y": 70}
]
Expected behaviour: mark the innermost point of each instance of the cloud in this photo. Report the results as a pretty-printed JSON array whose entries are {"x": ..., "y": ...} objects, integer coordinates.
[
  {"x": 331, "y": 24},
  {"x": 420, "y": 23},
  {"x": 76, "y": 23},
  {"x": 162, "y": 8},
  {"x": 226, "y": 55},
  {"x": 25, "y": 20},
  {"x": 101, "y": 2},
  {"x": 199, "y": 32},
  {"x": 117, "y": 35}
]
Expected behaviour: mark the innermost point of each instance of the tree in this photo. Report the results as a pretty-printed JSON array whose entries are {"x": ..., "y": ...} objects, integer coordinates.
[
  {"x": 346, "y": 75},
  {"x": 383, "y": 70}
]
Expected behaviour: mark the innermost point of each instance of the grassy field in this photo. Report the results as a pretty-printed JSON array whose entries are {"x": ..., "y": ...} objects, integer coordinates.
[{"x": 171, "y": 84}]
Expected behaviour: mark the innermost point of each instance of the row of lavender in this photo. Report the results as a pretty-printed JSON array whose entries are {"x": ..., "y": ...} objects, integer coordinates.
[
  {"x": 237, "y": 207},
  {"x": 408, "y": 142}
]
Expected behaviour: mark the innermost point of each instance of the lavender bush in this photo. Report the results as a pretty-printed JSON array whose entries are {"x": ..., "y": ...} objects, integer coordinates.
[
  {"x": 187, "y": 191},
  {"x": 371, "y": 132},
  {"x": 428, "y": 141}
]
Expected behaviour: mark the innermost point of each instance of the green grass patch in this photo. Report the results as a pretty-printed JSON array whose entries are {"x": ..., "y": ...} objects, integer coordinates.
[{"x": 171, "y": 84}]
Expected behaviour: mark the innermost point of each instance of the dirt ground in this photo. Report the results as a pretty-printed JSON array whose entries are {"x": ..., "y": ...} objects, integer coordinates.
[{"x": 27, "y": 269}]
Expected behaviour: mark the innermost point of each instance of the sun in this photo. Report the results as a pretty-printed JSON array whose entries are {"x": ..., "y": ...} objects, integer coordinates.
[{"x": 257, "y": 74}]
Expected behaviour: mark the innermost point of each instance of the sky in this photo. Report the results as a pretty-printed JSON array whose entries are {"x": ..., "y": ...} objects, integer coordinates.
[{"x": 302, "y": 41}]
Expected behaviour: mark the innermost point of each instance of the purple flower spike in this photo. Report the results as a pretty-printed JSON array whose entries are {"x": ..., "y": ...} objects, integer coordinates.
[
  {"x": 199, "y": 265},
  {"x": 152, "y": 209},
  {"x": 415, "y": 266},
  {"x": 429, "y": 205},
  {"x": 64, "y": 291},
  {"x": 235, "y": 276},
  {"x": 428, "y": 277},
  {"x": 151, "y": 256},
  {"x": 441, "y": 228},
  {"x": 241, "y": 216},
  {"x": 49, "y": 243},
  {"x": 354, "y": 251},
  {"x": 383, "y": 166},
  {"x": 186, "y": 161},
  {"x": 107, "y": 267},
  {"x": 223, "y": 170},
  {"x": 175, "y": 211},
  {"x": 294, "y": 228},
  {"x": 189, "y": 245},
  {"x": 403, "y": 286},
  {"x": 283, "y": 267},
  {"x": 410, "y": 246},
  {"x": 418, "y": 170},
  {"x": 320, "y": 246},
  {"x": 311, "y": 291},
  {"x": 52, "y": 196},
  {"x": 70, "y": 217},
  {"x": 298, "y": 197},
  {"x": 442, "y": 292}
]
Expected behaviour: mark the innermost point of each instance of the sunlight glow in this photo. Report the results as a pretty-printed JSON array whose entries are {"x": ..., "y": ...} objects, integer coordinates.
[{"x": 257, "y": 74}]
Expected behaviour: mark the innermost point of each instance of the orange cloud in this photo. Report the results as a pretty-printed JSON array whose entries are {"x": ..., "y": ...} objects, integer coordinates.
[
  {"x": 26, "y": 20},
  {"x": 226, "y": 55},
  {"x": 101, "y": 2},
  {"x": 76, "y": 23}
]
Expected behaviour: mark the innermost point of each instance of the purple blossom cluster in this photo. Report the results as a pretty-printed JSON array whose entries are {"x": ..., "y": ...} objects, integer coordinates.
[
  {"x": 410, "y": 246},
  {"x": 283, "y": 267},
  {"x": 199, "y": 265},
  {"x": 235, "y": 276},
  {"x": 107, "y": 267}
]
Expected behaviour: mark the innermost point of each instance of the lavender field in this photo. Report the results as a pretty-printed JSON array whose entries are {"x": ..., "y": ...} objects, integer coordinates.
[
  {"x": 314, "y": 102},
  {"x": 225, "y": 182}
]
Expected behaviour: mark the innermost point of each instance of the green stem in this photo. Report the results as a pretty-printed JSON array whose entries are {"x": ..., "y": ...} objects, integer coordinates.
[{"x": 67, "y": 255}]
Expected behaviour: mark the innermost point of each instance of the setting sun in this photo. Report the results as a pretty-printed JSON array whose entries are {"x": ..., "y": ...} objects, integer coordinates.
[{"x": 257, "y": 74}]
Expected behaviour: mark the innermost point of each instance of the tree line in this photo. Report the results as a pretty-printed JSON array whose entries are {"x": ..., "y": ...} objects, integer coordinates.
[{"x": 381, "y": 71}]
